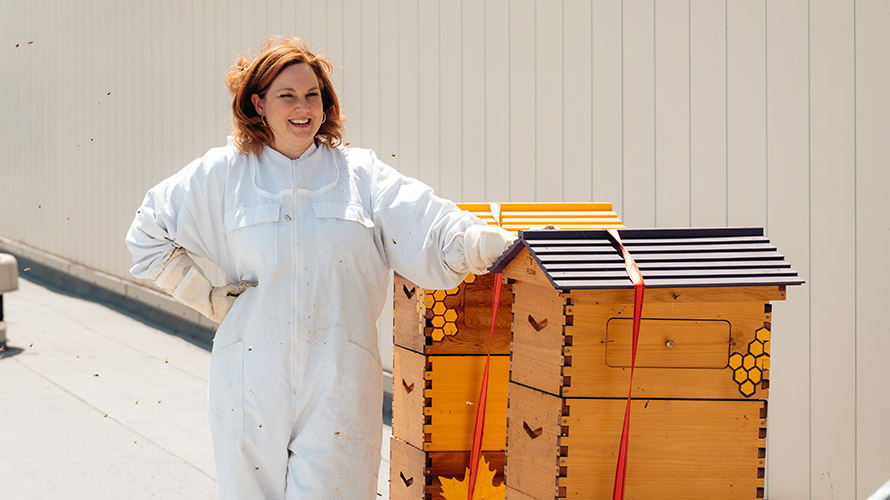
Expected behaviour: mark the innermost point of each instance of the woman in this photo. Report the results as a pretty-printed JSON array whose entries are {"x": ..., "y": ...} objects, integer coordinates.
[{"x": 305, "y": 232}]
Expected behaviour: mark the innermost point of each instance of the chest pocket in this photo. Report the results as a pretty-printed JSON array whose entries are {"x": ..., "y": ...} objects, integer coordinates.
[
  {"x": 345, "y": 233},
  {"x": 253, "y": 236}
]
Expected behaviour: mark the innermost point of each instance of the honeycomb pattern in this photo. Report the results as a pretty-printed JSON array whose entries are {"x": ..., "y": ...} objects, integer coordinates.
[
  {"x": 748, "y": 368},
  {"x": 444, "y": 318}
]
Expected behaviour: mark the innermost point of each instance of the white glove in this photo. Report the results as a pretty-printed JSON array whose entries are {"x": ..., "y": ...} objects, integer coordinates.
[
  {"x": 182, "y": 279},
  {"x": 483, "y": 245}
]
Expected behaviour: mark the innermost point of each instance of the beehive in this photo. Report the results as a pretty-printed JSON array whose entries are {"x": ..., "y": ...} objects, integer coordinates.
[
  {"x": 441, "y": 340},
  {"x": 698, "y": 417}
]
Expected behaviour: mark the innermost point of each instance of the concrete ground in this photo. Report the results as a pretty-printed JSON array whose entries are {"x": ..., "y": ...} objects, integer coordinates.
[{"x": 95, "y": 404}]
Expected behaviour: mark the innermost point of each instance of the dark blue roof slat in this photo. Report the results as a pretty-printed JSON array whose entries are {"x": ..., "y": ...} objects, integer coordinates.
[
  {"x": 672, "y": 283},
  {"x": 675, "y": 273},
  {"x": 631, "y": 234},
  {"x": 605, "y": 242},
  {"x": 634, "y": 250},
  {"x": 619, "y": 264},
  {"x": 717, "y": 256}
]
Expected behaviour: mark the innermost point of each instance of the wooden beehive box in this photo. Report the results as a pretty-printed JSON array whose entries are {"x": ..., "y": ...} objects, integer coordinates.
[
  {"x": 441, "y": 340},
  {"x": 698, "y": 418}
]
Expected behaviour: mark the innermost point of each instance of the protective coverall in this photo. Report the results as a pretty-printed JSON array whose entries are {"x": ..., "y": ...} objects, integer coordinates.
[{"x": 295, "y": 385}]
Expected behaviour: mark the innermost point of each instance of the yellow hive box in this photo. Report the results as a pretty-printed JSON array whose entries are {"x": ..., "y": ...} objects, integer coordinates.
[{"x": 441, "y": 339}]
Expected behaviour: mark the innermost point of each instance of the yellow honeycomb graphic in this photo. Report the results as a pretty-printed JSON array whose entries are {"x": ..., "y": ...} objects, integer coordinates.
[
  {"x": 444, "y": 318},
  {"x": 747, "y": 369}
]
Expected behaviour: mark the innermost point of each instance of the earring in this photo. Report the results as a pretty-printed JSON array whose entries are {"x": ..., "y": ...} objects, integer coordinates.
[{"x": 264, "y": 121}]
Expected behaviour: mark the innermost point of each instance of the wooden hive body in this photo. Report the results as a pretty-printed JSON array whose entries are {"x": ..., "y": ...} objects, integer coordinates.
[
  {"x": 441, "y": 340},
  {"x": 698, "y": 418}
]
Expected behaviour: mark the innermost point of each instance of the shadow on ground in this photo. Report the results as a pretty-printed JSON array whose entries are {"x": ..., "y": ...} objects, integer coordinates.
[{"x": 7, "y": 352}]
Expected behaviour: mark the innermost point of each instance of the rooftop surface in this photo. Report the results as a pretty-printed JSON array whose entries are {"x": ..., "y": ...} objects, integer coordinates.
[{"x": 99, "y": 405}]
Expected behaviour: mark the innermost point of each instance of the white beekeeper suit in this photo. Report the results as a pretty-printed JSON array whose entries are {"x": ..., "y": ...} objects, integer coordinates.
[{"x": 295, "y": 382}]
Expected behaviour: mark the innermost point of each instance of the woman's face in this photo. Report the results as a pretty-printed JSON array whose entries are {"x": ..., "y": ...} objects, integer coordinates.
[{"x": 293, "y": 109}]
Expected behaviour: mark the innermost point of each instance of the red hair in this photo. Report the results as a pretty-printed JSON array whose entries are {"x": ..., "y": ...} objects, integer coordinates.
[{"x": 246, "y": 78}]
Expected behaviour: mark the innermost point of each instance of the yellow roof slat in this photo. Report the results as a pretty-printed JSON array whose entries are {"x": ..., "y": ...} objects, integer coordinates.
[
  {"x": 559, "y": 220},
  {"x": 590, "y": 225},
  {"x": 555, "y": 207},
  {"x": 539, "y": 207},
  {"x": 475, "y": 207},
  {"x": 554, "y": 219},
  {"x": 579, "y": 213}
]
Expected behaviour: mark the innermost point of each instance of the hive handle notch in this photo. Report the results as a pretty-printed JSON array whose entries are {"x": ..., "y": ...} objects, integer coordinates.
[
  {"x": 532, "y": 433},
  {"x": 408, "y": 388},
  {"x": 538, "y": 326},
  {"x": 408, "y": 482}
]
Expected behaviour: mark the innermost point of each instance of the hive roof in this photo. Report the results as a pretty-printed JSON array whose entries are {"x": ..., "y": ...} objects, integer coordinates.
[{"x": 690, "y": 257}]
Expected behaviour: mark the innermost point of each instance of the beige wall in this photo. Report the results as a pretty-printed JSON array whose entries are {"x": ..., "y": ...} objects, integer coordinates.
[{"x": 680, "y": 112}]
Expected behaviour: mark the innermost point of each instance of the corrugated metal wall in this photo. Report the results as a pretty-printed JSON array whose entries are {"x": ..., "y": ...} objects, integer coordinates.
[{"x": 680, "y": 112}]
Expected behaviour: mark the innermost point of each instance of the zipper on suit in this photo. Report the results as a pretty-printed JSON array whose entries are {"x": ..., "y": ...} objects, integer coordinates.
[{"x": 294, "y": 249}]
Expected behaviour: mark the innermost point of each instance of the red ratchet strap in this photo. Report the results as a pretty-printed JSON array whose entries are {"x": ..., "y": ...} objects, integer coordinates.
[
  {"x": 637, "y": 278},
  {"x": 479, "y": 425}
]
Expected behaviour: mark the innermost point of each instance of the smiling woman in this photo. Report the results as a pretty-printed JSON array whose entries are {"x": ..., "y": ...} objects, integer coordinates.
[
  {"x": 275, "y": 95},
  {"x": 304, "y": 231},
  {"x": 292, "y": 109}
]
